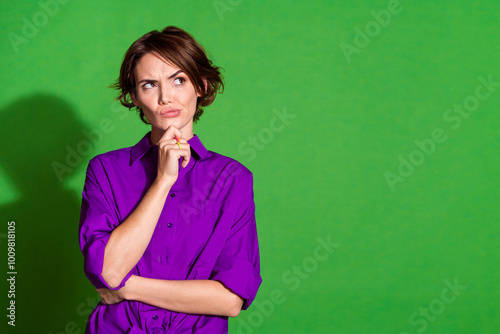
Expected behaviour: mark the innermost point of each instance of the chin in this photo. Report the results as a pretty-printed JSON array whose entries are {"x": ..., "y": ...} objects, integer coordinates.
[{"x": 164, "y": 124}]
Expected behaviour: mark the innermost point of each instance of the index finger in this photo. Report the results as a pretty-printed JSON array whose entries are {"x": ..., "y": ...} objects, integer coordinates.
[{"x": 170, "y": 133}]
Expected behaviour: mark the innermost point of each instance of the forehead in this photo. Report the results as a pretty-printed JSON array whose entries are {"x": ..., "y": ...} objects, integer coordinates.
[{"x": 153, "y": 66}]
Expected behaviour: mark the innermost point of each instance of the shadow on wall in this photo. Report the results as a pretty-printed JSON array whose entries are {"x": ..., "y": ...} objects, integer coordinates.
[{"x": 35, "y": 132}]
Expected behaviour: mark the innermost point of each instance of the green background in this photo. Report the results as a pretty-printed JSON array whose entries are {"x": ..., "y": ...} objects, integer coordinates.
[{"x": 321, "y": 174}]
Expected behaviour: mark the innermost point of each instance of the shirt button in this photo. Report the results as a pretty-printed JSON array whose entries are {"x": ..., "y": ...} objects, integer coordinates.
[
  {"x": 172, "y": 195},
  {"x": 159, "y": 260},
  {"x": 155, "y": 317},
  {"x": 169, "y": 225}
]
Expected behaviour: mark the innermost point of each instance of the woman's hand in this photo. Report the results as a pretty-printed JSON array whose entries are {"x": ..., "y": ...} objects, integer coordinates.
[
  {"x": 110, "y": 296},
  {"x": 169, "y": 154}
]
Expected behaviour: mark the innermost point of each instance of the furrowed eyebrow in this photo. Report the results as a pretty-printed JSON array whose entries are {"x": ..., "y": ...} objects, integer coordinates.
[
  {"x": 170, "y": 77},
  {"x": 173, "y": 75}
]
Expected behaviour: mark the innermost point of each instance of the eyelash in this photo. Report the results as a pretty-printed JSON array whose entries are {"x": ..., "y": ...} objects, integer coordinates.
[
  {"x": 182, "y": 80},
  {"x": 147, "y": 83}
]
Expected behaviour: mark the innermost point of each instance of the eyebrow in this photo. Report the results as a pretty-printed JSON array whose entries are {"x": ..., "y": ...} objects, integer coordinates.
[{"x": 170, "y": 77}]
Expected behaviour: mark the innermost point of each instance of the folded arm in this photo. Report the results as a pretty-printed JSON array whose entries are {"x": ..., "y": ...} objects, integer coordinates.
[{"x": 185, "y": 296}]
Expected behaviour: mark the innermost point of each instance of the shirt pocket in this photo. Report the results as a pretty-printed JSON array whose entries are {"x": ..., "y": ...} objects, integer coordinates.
[{"x": 200, "y": 241}]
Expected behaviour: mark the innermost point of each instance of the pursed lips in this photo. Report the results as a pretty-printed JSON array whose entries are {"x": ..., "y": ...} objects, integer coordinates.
[{"x": 170, "y": 112}]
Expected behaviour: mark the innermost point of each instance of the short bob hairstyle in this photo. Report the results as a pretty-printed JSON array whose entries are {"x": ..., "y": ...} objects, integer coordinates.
[{"x": 176, "y": 47}]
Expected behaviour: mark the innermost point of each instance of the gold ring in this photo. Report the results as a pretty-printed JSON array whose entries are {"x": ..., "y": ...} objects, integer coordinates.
[{"x": 179, "y": 144}]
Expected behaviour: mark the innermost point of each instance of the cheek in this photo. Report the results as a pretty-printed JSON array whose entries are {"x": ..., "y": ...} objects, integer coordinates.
[
  {"x": 191, "y": 98},
  {"x": 146, "y": 99}
]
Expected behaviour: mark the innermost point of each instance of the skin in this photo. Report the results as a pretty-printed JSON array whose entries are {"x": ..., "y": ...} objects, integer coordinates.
[{"x": 168, "y": 100}]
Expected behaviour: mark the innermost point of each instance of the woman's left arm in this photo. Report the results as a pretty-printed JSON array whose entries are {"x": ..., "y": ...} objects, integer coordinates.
[
  {"x": 235, "y": 277},
  {"x": 184, "y": 296}
]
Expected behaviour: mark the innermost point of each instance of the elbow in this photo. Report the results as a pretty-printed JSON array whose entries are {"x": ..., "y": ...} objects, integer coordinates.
[
  {"x": 235, "y": 304},
  {"x": 233, "y": 313},
  {"x": 111, "y": 279}
]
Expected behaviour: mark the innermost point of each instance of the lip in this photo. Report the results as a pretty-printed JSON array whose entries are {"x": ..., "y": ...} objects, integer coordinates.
[{"x": 170, "y": 112}]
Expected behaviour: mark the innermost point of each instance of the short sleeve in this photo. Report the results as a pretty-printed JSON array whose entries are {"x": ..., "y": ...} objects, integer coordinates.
[
  {"x": 238, "y": 265},
  {"x": 97, "y": 221}
]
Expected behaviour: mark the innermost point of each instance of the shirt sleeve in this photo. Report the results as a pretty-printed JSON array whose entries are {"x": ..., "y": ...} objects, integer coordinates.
[
  {"x": 238, "y": 266},
  {"x": 97, "y": 220}
]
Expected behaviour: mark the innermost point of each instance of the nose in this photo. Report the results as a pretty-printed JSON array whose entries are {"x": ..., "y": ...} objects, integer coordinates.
[{"x": 165, "y": 95}]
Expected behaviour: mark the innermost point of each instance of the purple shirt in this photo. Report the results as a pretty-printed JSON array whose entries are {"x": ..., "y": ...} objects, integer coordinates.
[{"x": 206, "y": 230}]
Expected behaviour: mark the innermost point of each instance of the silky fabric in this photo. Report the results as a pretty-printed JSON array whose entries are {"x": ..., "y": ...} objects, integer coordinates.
[{"x": 206, "y": 230}]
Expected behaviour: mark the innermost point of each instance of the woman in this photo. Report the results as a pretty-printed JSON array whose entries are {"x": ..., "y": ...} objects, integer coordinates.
[{"x": 167, "y": 227}]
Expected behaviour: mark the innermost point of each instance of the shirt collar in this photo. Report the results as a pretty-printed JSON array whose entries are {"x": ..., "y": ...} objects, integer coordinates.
[{"x": 143, "y": 146}]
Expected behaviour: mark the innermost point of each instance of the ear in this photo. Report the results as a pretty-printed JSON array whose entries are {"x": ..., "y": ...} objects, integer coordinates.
[
  {"x": 206, "y": 85},
  {"x": 133, "y": 97}
]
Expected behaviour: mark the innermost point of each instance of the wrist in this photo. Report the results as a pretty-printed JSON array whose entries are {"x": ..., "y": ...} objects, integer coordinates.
[
  {"x": 129, "y": 288},
  {"x": 163, "y": 184}
]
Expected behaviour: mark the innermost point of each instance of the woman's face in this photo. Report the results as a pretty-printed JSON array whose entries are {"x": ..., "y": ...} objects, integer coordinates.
[{"x": 166, "y": 95}]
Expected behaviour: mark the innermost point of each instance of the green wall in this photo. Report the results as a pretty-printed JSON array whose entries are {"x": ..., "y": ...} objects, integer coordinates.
[{"x": 371, "y": 128}]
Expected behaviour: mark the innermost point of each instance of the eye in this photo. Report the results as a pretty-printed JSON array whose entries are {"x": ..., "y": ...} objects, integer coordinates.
[
  {"x": 148, "y": 85},
  {"x": 179, "y": 80}
]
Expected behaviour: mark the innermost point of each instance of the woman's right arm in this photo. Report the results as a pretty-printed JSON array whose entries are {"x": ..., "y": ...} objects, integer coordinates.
[{"x": 129, "y": 240}]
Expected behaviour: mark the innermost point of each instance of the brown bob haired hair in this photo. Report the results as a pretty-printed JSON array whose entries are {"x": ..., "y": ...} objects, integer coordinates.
[{"x": 179, "y": 48}]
